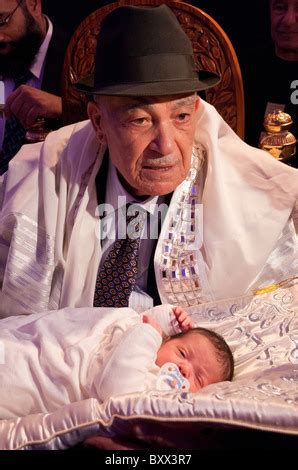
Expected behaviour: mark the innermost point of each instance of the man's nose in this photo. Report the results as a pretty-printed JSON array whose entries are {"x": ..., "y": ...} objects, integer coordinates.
[
  {"x": 163, "y": 140},
  {"x": 291, "y": 16}
]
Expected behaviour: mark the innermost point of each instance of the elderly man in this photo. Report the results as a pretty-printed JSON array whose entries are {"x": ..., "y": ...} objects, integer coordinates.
[
  {"x": 31, "y": 60},
  {"x": 284, "y": 28},
  {"x": 275, "y": 86},
  {"x": 150, "y": 144}
]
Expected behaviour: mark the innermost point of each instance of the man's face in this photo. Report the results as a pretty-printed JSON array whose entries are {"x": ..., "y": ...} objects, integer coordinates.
[
  {"x": 195, "y": 356},
  {"x": 20, "y": 38},
  {"x": 284, "y": 27},
  {"x": 149, "y": 139}
]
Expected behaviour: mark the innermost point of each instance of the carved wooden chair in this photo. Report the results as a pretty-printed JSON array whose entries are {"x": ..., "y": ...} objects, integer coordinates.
[{"x": 212, "y": 49}]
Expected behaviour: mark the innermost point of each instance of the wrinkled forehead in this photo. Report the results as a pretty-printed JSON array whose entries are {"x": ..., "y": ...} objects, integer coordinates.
[
  {"x": 285, "y": 3},
  {"x": 130, "y": 102}
]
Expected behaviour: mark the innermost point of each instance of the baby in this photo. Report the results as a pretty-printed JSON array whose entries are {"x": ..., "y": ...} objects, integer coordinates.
[
  {"x": 201, "y": 356},
  {"x": 51, "y": 359}
]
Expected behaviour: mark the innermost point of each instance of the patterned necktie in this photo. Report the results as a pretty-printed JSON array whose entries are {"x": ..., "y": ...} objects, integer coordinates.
[
  {"x": 116, "y": 278},
  {"x": 14, "y": 136}
]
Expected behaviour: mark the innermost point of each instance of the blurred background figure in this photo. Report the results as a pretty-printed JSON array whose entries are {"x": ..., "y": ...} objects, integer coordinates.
[
  {"x": 31, "y": 59},
  {"x": 270, "y": 72},
  {"x": 284, "y": 28}
]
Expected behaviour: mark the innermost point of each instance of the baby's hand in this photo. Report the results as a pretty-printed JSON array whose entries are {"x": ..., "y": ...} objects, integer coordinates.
[
  {"x": 182, "y": 318},
  {"x": 151, "y": 321}
]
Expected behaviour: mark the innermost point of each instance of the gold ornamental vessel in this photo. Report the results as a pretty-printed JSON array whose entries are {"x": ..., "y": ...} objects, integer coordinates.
[{"x": 278, "y": 140}]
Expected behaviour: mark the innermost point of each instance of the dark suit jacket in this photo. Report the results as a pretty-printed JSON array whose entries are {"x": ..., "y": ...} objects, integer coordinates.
[{"x": 52, "y": 77}]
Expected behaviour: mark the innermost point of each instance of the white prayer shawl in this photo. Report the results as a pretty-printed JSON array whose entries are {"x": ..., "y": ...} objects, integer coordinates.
[{"x": 49, "y": 251}]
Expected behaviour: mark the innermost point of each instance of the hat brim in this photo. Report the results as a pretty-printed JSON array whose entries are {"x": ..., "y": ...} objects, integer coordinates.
[{"x": 204, "y": 81}]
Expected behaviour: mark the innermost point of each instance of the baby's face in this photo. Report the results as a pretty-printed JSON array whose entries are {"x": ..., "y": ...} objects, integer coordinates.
[{"x": 195, "y": 356}]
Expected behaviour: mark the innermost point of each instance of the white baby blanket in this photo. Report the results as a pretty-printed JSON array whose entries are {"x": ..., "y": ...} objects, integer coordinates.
[{"x": 263, "y": 333}]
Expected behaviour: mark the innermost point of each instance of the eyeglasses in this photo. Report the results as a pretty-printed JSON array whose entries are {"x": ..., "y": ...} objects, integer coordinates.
[{"x": 6, "y": 20}]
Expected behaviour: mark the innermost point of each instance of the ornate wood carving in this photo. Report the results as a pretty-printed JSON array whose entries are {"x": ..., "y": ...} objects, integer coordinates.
[{"x": 212, "y": 51}]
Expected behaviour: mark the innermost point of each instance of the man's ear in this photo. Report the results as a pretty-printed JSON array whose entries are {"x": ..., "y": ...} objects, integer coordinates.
[
  {"x": 95, "y": 117},
  {"x": 197, "y": 103},
  {"x": 34, "y": 8}
]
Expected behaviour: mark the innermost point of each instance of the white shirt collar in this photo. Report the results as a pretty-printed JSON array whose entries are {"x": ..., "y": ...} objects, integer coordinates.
[{"x": 38, "y": 65}]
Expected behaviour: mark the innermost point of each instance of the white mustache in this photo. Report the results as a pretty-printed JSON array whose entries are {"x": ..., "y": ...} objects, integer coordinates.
[{"x": 160, "y": 162}]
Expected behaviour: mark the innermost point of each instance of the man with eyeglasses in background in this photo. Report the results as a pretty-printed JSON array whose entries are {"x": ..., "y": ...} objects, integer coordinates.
[{"x": 31, "y": 60}]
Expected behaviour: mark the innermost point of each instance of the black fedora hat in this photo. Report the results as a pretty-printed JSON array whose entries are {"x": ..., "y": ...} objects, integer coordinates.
[{"x": 143, "y": 51}]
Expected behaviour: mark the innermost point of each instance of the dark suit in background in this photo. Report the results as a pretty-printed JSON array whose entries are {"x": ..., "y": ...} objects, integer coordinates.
[
  {"x": 52, "y": 78},
  {"x": 15, "y": 133}
]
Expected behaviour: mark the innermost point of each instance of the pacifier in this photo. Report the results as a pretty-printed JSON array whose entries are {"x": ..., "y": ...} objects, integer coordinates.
[{"x": 170, "y": 378}]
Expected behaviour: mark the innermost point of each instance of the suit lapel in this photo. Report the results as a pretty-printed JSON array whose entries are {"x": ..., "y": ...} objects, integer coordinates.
[{"x": 52, "y": 76}]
